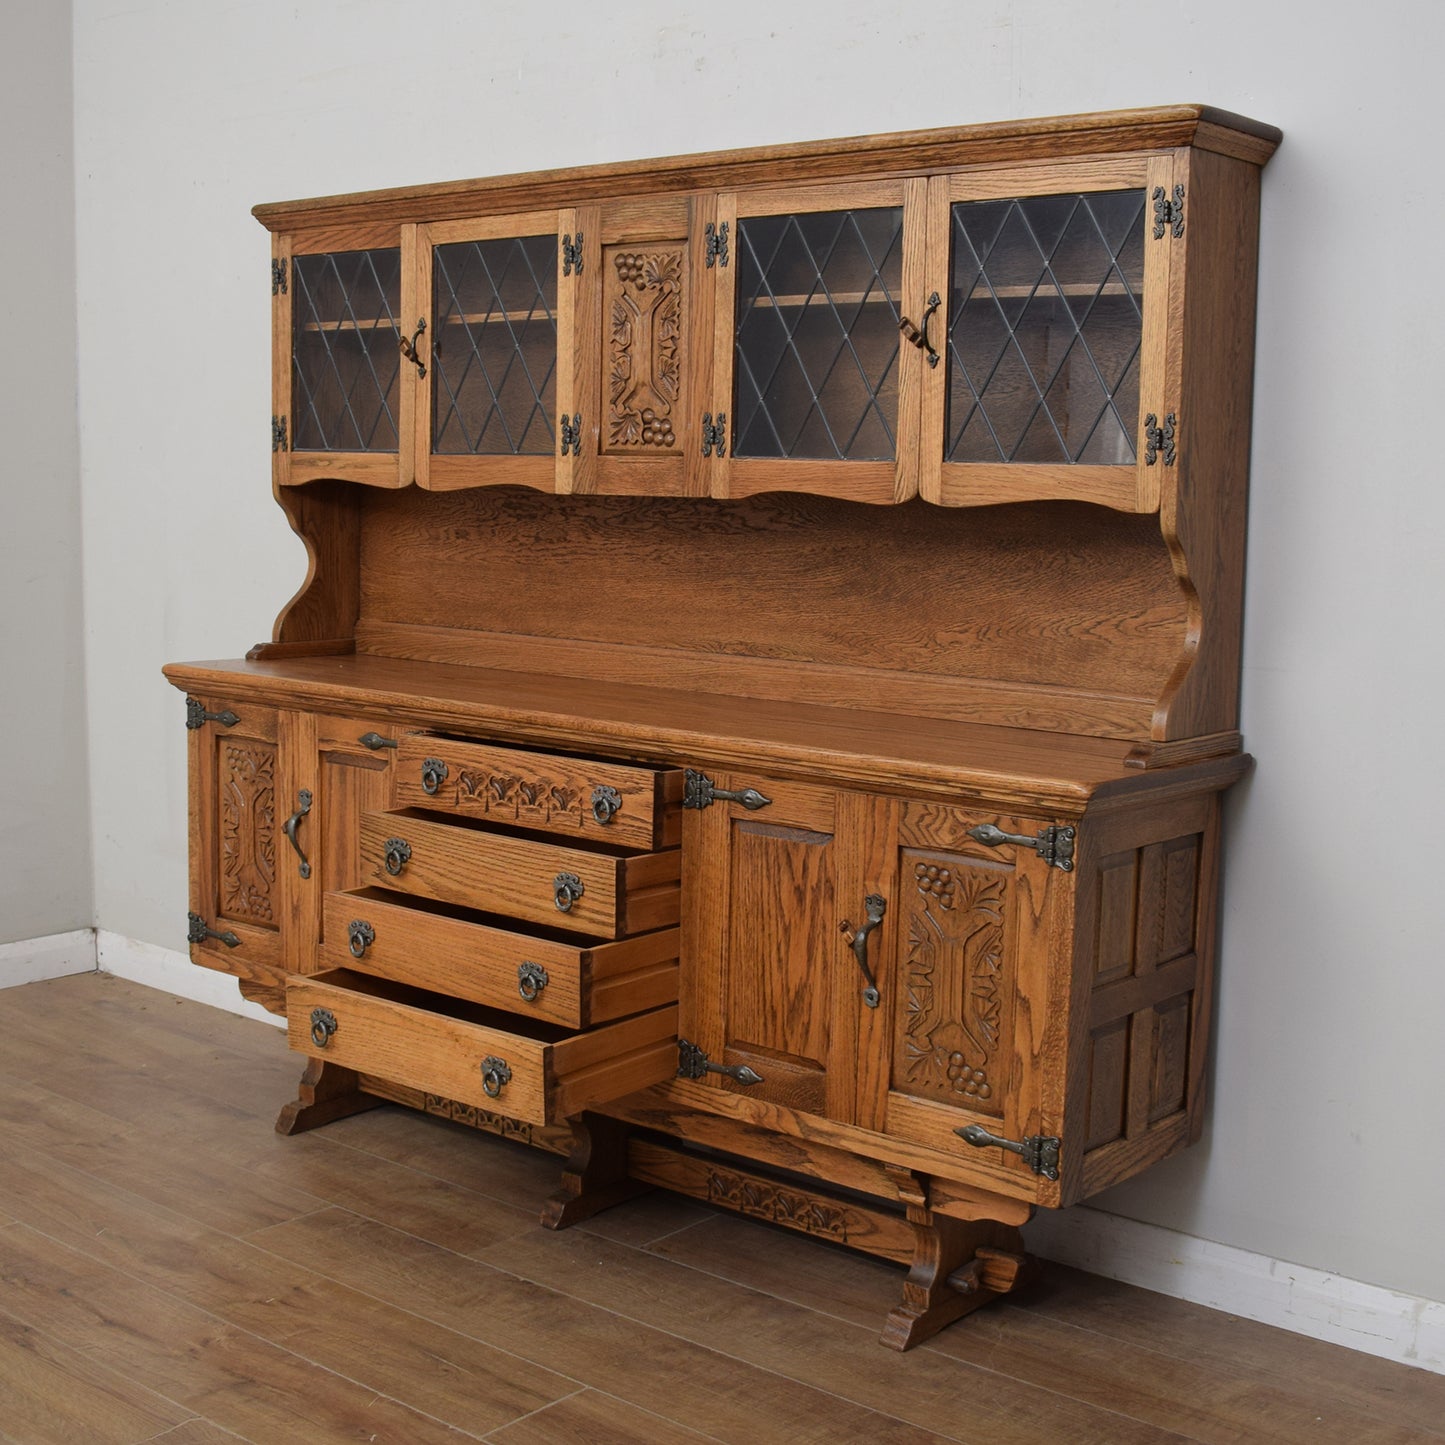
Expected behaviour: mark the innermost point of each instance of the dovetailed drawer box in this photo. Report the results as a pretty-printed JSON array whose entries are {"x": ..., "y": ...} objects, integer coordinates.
[
  {"x": 605, "y": 892},
  {"x": 619, "y": 803},
  {"x": 535, "y": 973},
  {"x": 531, "y": 1071}
]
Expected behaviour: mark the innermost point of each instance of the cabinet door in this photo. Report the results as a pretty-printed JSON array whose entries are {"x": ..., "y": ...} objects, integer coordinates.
[
  {"x": 343, "y": 394},
  {"x": 976, "y": 984},
  {"x": 814, "y": 387},
  {"x": 236, "y": 896},
  {"x": 768, "y": 978},
  {"x": 1053, "y": 285},
  {"x": 498, "y": 297}
]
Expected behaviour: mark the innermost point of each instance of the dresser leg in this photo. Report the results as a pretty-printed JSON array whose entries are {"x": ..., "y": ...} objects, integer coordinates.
[
  {"x": 958, "y": 1266},
  {"x": 595, "y": 1175},
  {"x": 327, "y": 1092}
]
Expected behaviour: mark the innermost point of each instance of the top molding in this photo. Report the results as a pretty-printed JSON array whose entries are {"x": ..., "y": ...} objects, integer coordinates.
[{"x": 905, "y": 152}]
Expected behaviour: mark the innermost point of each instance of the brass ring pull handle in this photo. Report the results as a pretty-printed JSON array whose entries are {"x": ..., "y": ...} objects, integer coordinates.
[
  {"x": 360, "y": 936},
  {"x": 323, "y": 1026},
  {"x": 918, "y": 335},
  {"x": 875, "y": 906},
  {"x": 567, "y": 888},
  {"x": 531, "y": 980},
  {"x": 496, "y": 1075},
  {"x": 433, "y": 775},
  {"x": 408, "y": 348},
  {"x": 605, "y": 803},
  {"x": 289, "y": 827},
  {"x": 397, "y": 855}
]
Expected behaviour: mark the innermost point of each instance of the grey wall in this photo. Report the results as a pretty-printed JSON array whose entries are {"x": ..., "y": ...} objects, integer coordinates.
[
  {"x": 45, "y": 866},
  {"x": 1327, "y": 1077}
]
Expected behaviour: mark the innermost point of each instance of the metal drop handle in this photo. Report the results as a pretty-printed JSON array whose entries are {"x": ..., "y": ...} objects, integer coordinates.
[
  {"x": 605, "y": 803},
  {"x": 397, "y": 855},
  {"x": 408, "y": 348},
  {"x": 531, "y": 980},
  {"x": 433, "y": 774},
  {"x": 289, "y": 827},
  {"x": 323, "y": 1026},
  {"x": 496, "y": 1075},
  {"x": 918, "y": 335},
  {"x": 360, "y": 936},
  {"x": 567, "y": 888},
  {"x": 875, "y": 906}
]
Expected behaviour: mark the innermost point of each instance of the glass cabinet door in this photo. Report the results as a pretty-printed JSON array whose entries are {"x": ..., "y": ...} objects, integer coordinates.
[
  {"x": 815, "y": 388},
  {"x": 493, "y": 390},
  {"x": 339, "y": 380},
  {"x": 1051, "y": 290}
]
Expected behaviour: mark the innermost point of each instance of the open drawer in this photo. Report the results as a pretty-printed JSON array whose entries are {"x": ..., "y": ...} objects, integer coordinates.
[
  {"x": 538, "y": 972},
  {"x": 524, "y": 1069}
]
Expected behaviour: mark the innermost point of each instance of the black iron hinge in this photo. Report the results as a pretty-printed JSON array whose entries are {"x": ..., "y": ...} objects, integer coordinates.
[
  {"x": 572, "y": 255},
  {"x": 716, "y": 238},
  {"x": 714, "y": 434},
  {"x": 1039, "y": 1151},
  {"x": 198, "y": 931},
  {"x": 1159, "y": 440},
  {"x": 279, "y": 442},
  {"x": 692, "y": 1063},
  {"x": 1168, "y": 212},
  {"x": 197, "y": 716},
  {"x": 278, "y": 277},
  {"x": 1054, "y": 844},
  {"x": 699, "y": 791},
  {"x": 571, "y": 434}
]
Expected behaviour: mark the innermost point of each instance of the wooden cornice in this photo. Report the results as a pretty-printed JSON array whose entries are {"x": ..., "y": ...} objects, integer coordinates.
[{"x": 905, "y": 152}]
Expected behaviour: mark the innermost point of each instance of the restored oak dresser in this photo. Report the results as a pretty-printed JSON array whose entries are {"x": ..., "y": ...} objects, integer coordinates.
[{"x": 756, "y": 717}]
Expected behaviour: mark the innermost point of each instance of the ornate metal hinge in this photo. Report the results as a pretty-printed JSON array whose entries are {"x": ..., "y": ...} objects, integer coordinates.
[
  {"x": 1054, "y": 844},
  {"x": 197, "y": 716},
  {"x": 692, "y": 1063},
  {"x": 571, "y": 434},
  {"x": 714, "y": 434},
  {"x": 374, "y": 741},
  {"x": 699, "y": 792},
  {"x": 1168, "y": 212},
  {"x": 279, "y": 443},
  {"x": 198, "y": 931},
  {"x": 1039, "y": 1151},
  {"x": 572, "y": 255},
  {"x": 1159, "y": 439},
  {"x": 278, "y": 277},
  {"x": 716, "y": 238}
]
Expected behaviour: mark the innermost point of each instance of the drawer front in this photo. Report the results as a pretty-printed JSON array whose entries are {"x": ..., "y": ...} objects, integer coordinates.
[
  {"x": 576, "y": 984},
  {"x": 462, "y": 1052},
  {"x": 577, "y": 889},
  {"x": 634, "y": 807}
]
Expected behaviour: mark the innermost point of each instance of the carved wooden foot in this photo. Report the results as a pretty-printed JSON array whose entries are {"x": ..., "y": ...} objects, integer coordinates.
[
  {"x": 327, "y": 1092},
  {"x": 595, "y": 1175},
  {"x": 958, "y": 1266}
]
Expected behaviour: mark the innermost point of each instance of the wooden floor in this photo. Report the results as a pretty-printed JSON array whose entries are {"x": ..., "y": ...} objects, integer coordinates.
[{"x": 170, "y": 1269}]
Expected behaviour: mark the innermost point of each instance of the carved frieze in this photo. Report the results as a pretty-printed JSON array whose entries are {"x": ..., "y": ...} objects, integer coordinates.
[
  {"x": 246, "y": 791},
  {"x": 523, "y": 799},
  {"x": 956, "y": 1003},
  {"x": 644, "y": 360},
  {"x": 779, "y": 1205}
]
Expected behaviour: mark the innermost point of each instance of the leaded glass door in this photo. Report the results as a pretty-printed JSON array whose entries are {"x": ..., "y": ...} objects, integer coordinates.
[
  {"x": 498, "y": 296},
  {"x": 342, "y": 395},
  {"x": 814, "y": 387},
  {"x": 1052, "y": 334}
]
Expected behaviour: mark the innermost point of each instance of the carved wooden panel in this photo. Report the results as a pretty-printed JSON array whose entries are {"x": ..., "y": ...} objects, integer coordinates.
[
  {"x": 954, "y": 1024},
  {"x": 762, "y": 1199},
  {"x": 643, "y": 300},
  {"x": 246, "y": 812},
  {"x": 520, "y": 799}
]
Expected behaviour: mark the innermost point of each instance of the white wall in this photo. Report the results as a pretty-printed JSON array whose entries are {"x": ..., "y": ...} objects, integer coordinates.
[
  {"x": 45, "y": 867},
  {"x": 1324, "y": 1146}
]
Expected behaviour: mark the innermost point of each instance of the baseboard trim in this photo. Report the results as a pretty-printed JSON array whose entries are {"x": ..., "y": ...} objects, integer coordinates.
[
  {"x": 1307, "y": 1301},
  {"x": 1312, "y": 1302},
  {"x": 172, "y": 972},
  {"x": 55, "y": 956}
]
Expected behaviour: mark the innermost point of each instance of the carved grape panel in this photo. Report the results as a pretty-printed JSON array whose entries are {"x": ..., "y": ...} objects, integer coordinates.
[
  {"x": 246, "y": 797},
  {"x": 642, "y": 295},
  {"x": 954, "y": 1022}
]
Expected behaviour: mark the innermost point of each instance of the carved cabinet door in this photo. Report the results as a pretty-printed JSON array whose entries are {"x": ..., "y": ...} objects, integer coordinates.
[
  {"x": 976, "y": 990},
  {"x": 237, "y": 907},
  {"x": 770, "y": 984}
]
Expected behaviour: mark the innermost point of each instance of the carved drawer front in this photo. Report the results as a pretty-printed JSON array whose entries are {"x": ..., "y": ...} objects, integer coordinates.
[
  {"x": 616, "y": 803},
  {"x": 537, "y": 973},
  {"x": 606, "y": 892},
  {"x": 520, "y": 1068}
]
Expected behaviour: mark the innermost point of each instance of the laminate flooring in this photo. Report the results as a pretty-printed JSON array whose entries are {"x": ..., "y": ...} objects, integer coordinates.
[{"x": 173, "y": 1270}]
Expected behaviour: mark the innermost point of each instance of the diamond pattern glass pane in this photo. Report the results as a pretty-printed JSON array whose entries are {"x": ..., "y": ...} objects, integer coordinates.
[
  {"x": 345, "y": 360},
  {"x": 494, "y": 346},
  {"x": 1044, "y": 328},
  {"x": 817, "y": 334}
]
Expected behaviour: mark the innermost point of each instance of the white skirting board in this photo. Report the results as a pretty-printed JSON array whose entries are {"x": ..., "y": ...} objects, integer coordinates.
[
  {"x": 1307, "y": 1301},
  {"x": 33, "y": 959}
]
